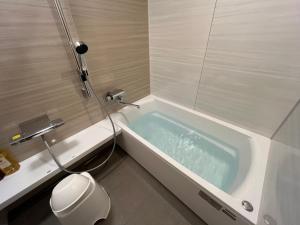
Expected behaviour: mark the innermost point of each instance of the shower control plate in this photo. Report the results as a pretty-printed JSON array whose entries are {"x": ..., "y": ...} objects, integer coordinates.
[{"x": 35, "y": 128}]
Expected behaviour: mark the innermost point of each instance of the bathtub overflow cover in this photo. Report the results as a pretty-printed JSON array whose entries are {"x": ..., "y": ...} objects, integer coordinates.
[{"x": 247, "y": 206}]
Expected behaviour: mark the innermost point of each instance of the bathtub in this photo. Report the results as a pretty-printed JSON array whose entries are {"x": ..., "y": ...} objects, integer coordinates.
[{"x": 210, "y": 165}]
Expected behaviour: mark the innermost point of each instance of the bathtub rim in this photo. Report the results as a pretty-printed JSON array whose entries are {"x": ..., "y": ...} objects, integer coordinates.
[{"x": 228, "y": 199}]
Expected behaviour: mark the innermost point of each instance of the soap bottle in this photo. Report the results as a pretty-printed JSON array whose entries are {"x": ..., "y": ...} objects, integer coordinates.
[{"x": 8, "y": 164}]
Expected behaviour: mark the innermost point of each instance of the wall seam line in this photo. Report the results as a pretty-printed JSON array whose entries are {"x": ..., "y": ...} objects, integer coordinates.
[
  {"x": 149, "y": 55},
  {"x": 285, "y": 119},
  {"x": 203, "y": 61}
]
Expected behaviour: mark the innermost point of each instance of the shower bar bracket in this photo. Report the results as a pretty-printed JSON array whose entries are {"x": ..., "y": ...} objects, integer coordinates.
[{"x": 78, "y": 49}]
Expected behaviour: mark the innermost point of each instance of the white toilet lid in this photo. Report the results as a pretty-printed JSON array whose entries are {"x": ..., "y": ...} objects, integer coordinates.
[{"x": 68, "y": 191}]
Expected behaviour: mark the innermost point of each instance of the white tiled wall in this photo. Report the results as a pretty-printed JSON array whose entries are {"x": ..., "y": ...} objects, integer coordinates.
[
  {"x": 250, "y": 75},
  {"x": 251, "y": 70},
  {"x": 178, "y": 38}
]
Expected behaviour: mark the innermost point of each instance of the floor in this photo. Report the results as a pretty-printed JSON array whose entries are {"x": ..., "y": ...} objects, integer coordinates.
[{"x": 137, "y": 199}]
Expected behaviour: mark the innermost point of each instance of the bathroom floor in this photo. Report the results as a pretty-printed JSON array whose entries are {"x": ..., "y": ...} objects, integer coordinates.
[{"x": 137, "y": 199}]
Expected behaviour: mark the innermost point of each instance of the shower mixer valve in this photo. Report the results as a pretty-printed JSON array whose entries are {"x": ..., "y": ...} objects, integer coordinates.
[
  {"x": 117, "y": 96},
  {"x": 36, "y": 127}
]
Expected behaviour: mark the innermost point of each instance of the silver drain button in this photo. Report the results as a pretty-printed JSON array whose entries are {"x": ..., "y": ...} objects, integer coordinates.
[{"x": 247, "y": 206}]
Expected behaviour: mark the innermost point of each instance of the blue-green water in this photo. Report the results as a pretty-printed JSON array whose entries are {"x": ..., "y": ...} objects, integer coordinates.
[{"x": 208, "y": 157}]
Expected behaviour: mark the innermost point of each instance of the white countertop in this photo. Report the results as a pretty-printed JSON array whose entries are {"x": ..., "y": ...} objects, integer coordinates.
[{"x": 41, "y": 167}]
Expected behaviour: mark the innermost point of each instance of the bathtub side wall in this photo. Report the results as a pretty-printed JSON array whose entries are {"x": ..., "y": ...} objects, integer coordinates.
[
  {"x": 281, "y": 195},
  {"x": 182, "y": 186}
]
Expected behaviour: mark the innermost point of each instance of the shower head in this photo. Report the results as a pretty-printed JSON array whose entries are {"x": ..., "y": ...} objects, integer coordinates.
[{"x": 81, "y": 47}]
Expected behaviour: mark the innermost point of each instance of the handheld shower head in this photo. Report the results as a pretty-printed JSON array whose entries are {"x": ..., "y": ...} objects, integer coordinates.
[{"x": 81, "y": 47}]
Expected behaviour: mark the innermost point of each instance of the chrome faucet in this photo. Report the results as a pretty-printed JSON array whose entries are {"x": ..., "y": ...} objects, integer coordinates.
[
  {"x": 117, "y": 96},
  {"x": 127, "y": 103},
  {"x": 35, "y": 127}
]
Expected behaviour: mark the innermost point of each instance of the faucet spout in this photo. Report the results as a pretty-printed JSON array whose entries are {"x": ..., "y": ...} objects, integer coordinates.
[
  {"x": 117, "y": 96},
  {"x": 127, "y": 103}
]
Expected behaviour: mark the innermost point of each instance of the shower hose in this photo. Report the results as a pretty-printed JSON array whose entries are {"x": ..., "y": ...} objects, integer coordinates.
[
  {"x": 57, "y": 5},
  {"x": 102, "y": 106}
]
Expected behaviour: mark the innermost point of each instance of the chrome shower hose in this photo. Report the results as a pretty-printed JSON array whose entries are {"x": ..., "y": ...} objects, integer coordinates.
[{"x": 111, "y": 152}]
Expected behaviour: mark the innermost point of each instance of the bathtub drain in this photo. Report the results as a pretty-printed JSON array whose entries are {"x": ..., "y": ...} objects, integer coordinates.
[{"x": 247, "y": 206}]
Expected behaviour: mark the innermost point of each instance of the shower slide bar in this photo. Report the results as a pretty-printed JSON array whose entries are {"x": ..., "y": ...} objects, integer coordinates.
[{"x": 78, "y": 50}]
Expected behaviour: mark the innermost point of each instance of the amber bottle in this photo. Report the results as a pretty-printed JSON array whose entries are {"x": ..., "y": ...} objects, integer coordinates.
[{"x": 8, "y": 164}]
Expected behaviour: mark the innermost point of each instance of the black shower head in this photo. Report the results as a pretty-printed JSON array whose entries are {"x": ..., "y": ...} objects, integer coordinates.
[{"x": 81, "y": 47}]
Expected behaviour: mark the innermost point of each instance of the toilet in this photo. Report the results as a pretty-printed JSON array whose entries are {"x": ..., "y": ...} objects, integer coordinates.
[{"x": 78, "y": 200}]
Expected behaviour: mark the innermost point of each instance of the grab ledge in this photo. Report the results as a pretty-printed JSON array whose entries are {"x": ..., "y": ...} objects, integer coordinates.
[{"x": 40, "y": 167}]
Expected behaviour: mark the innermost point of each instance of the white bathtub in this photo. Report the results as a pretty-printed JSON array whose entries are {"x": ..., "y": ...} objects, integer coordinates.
[{"x": 214, "y": 205}]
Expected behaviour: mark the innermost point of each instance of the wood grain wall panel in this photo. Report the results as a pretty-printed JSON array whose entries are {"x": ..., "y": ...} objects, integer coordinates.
[
  {"x": 178, "y": 33},
  {"x": 251, "y": 70},
  {"x": 118, "y": 52},
  {"x": 37, "y": 75}
]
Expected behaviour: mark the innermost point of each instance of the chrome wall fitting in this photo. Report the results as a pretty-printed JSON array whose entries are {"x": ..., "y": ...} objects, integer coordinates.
[
  {"x": 35, "y": 127},
  {"x": 117, "y": 96}
]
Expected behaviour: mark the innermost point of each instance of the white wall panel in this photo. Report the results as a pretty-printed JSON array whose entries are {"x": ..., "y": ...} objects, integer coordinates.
[
  {"x": 251, "y": 70},
  {"x": 178, "y": 33}
]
